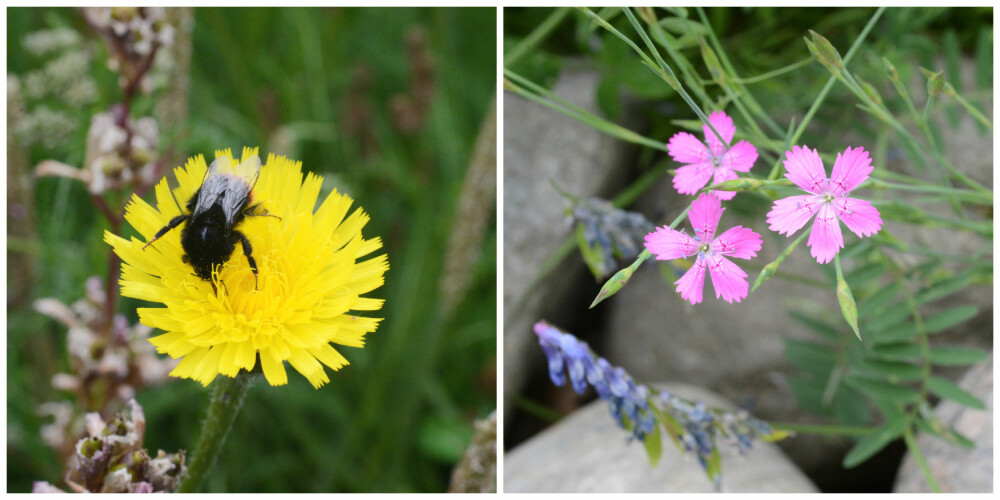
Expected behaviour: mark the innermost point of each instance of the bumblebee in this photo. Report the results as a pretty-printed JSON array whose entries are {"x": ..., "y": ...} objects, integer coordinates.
[{"x": 215, "y": 212}]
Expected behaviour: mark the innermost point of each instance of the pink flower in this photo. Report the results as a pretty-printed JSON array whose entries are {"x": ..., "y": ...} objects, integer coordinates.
[
  {"x": 740, "y": 242},
  {"x": 828, "y": 200},
  {"x": 705, "y": 162}
]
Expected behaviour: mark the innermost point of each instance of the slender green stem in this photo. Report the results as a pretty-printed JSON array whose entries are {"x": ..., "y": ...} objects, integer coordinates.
[
  {"x": 227, "y": 397},
  {"x": 724, "y": 59},
  {"x": 957, "y": 193},
  {"x": 824, "y": 430},
  {"x": 535, "y": 37},
  {"x": 669, "y": 76},
  {"x": 525, "y": 88},
  {"x": 771, "y": 74},
  {"x": 978, "y": 115},
  {"x": 668, "y": 42},
  {"x": 918, "y": 456},
  {"x": 776, "y": 170}
]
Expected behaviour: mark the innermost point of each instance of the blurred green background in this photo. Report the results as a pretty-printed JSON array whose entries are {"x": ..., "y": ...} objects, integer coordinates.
[{"x": 334, "y": 88}]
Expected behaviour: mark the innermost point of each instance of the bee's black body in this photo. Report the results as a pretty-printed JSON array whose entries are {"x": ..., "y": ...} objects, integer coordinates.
[{"x": 214, "y": 214}]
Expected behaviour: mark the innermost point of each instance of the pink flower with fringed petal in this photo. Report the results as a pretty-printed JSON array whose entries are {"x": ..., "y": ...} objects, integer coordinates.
[
  {"x": 713, "y": 162},
  {"x": 728, "y": 279},
  {"x": 827, "y": 200}
]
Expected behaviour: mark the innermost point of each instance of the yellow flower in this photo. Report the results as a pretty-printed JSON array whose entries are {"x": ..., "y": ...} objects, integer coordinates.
[{"x": 310, "y": 279}]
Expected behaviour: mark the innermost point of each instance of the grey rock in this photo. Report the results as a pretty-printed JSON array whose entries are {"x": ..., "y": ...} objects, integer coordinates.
[
  {"x": 588, "y": 452},
  {"x": 542, "y": 145},
  {"x": 956, "y": 469}
]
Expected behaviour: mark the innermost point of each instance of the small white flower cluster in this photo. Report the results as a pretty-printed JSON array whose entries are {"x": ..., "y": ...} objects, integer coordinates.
[
  {"x": 110, "y": 459},
  {"x": 133, "y": 32},
  {"x": 114, "y": 158},
  {"x": 53, "y": 92},
  {"x": 118, "y": 355},
  {"x": 104, "y": 163}
]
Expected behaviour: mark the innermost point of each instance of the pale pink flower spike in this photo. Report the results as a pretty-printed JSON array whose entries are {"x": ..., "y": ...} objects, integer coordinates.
[
  {"x": 728, "y": 279},
  {"x": 827, "y": 200},
  {"x": 712, "y": 162}
]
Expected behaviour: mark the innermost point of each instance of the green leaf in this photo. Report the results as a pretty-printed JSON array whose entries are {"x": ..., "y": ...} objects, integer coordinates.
[
  {"x": 592, "y": 255},
  {"x": 984, "y": 59},
  {"x": 815, "y": 326},
  {"x": 670, "y": 425},
  {"x": 810, "y": 357},
  {"x": 879, "y": 300},
  {"x": 948, "y": 390},
  {"x": 957, "y": 355},
  {"x": 682, "y": 26},
  {"x": 714, "y": 468},
  {"x": 891, "y": 317},
  {"x": 897, "y": 351},
  {"x": 947, "y": 319},
  {"x": 890, "y": 369},
  {"x": 608, "y": 97},
  {"x": 882, "y": 390},
  {"x": 847, "y": 306},
  {"x": 860, "y": 277},
  {"x": 809, "y": 393},
  {"x": 850, "y": 407},
  {"x": 874, "y": 442},
  {"x": 712, "y": 63},
  {"x": 935, "y": 427},
  {"x": 943, "y": 288},
  {"x": 899, "y": 333},
  {"x": 654, "y": 445},
  {"x": 952, "y": 60}
]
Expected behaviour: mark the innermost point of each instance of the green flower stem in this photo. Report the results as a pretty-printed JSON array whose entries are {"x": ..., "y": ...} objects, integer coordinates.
[
  {"x": 978, "y": 115},
  {"x": 824, "y": 430},
  {"x": 227, "y": 397},
  {"x": 668, "y": 41},
  {"x": 734, "y": 77},
  {"x": 766, "y": 76},
  {"x": 911, "y": 444},
  {"x": 668, "y": 74},
  {"x": 525, "y": 88},
  {"x": 950, "y": 192},
  {"x": 776, "y": 170}
]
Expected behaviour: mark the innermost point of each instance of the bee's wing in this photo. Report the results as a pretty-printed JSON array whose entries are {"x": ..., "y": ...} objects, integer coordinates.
[
  {"x": 248, "y": 170},
  {"x": 211, "y": 187},
  {"x": 242, "y": 182}
]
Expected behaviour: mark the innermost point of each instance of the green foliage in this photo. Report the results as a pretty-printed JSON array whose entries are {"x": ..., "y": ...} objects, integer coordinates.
[{"x": 321, "y": 84}]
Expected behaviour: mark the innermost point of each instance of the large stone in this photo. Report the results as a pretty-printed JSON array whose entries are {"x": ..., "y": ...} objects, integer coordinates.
[
  {"x": 542, "y": 145},
  {"x": 956, "y": 469},
  {"x": 588, "y": 452}
]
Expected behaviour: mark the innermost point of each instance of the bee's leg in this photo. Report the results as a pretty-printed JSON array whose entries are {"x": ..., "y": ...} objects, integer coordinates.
[
  {"x": 248, "y": 251},
  {"x": 257, "y": 211},
  {"x": 176, "y": 221}
]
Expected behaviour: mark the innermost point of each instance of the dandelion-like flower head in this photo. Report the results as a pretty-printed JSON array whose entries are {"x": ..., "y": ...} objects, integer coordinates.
[{"x": 311, "y": 278}]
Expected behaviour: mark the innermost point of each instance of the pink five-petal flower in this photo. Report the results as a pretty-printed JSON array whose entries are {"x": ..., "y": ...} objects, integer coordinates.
[
  {"x": 727, "y": 278},
  {"x": 827, "y": 200},
  {"x": 712, "y": 161}
]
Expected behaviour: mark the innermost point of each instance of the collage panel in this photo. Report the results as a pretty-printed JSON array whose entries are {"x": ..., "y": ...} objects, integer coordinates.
[
  {"x": 251, "y": 249},
  {"x": 747, "y": 249}
]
